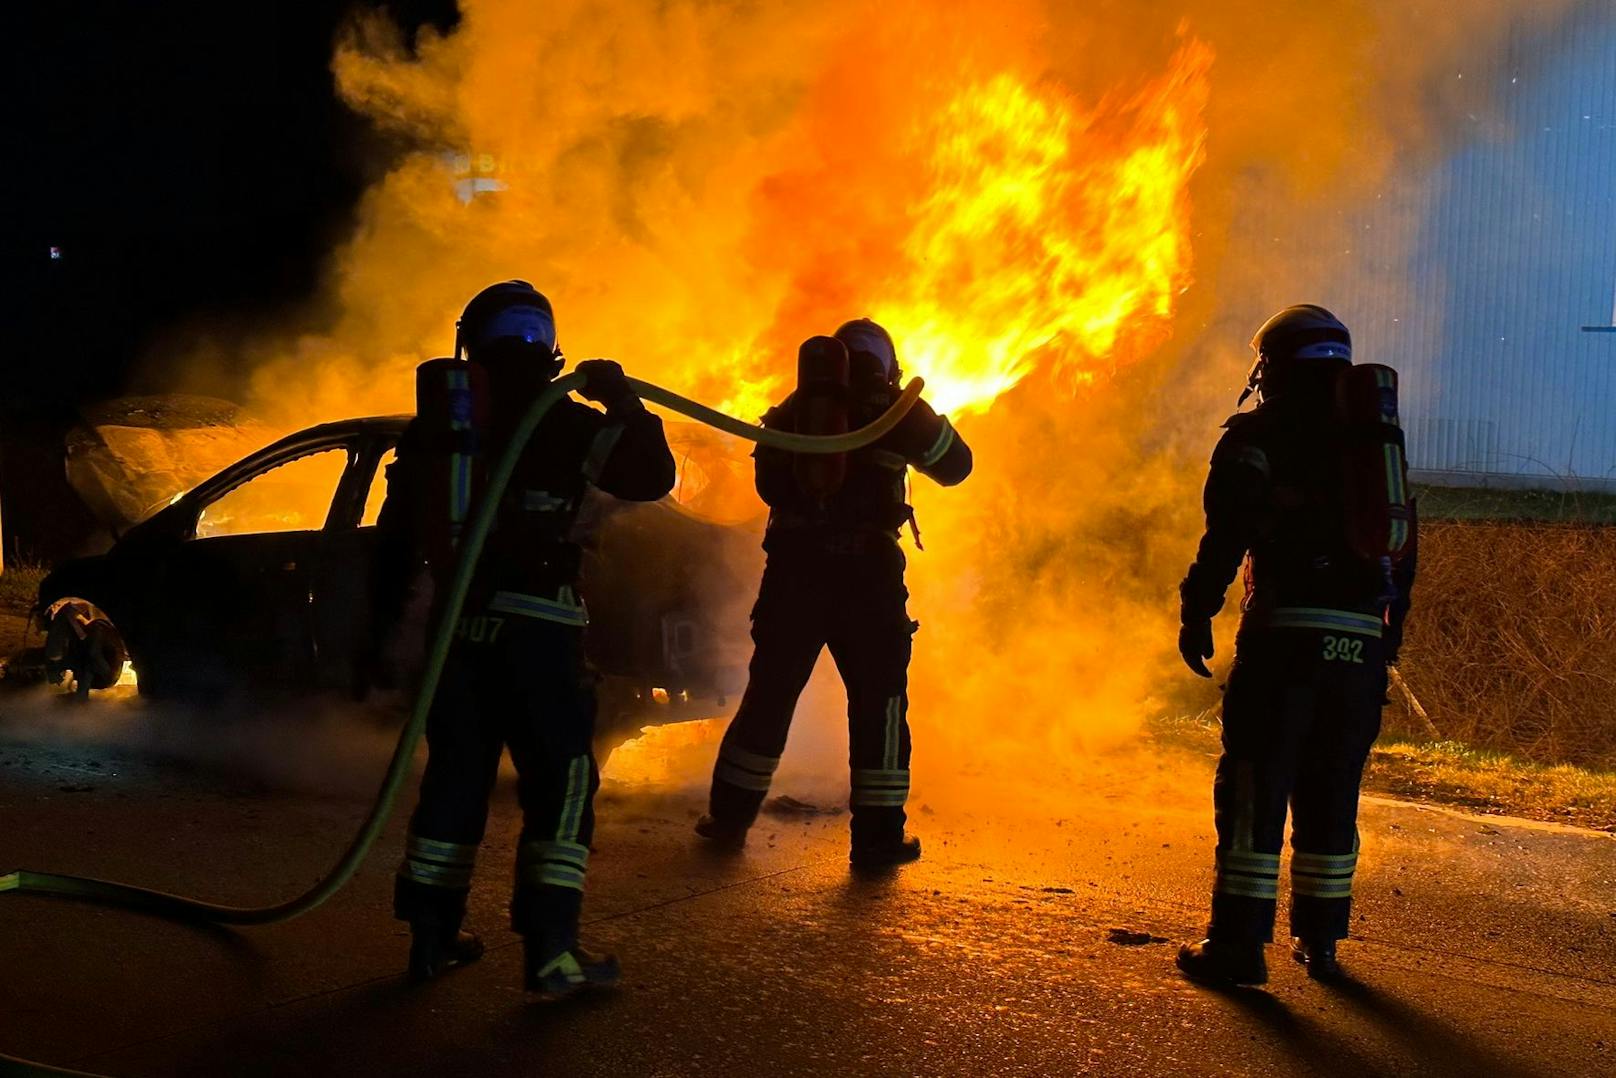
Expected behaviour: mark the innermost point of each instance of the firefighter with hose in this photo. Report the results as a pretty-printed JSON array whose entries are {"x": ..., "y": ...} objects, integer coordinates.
[
  {"x": 515, "y": 678},
  {"x": 835, "y": 577},
  {"x": 1308, "y": 491}
]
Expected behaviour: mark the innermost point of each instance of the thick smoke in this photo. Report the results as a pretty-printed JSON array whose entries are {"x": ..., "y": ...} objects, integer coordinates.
[{"x": 700, "y": 185}]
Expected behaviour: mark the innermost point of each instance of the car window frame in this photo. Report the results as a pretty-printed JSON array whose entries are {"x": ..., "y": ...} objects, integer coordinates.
[
  {"x": 363, "y": 445},
  {"x": 363, "y": 473}
]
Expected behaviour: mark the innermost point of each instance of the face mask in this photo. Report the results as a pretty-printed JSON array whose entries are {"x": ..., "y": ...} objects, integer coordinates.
[
  {"x": 531, "y": 326},
  {"x": 861, "y": 340}
]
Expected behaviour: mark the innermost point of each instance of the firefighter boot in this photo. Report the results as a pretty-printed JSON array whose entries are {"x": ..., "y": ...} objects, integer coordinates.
[
  {"x": 553, "y": 975},
  {"x": 1318, "y": 955},
  {"x": 723, "y": 834},
  {"x": 885, "y": 851},
  {"x": 434, "y": 950},
  {"x": 1220, "y": 962}
]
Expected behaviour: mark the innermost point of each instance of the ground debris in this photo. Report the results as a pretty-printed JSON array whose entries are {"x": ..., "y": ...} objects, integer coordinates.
[
  {"x": 1125, "y": 937},
  {"x": 785, "y": 805}
]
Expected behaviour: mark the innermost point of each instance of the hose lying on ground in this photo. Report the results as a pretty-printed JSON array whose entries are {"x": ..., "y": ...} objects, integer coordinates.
[{"x": 190, "y": 909}]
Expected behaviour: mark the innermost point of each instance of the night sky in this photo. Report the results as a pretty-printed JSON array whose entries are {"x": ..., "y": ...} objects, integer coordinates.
[
  {"x": 190, "y": 160},
  {"x": 193, "y": 166}
]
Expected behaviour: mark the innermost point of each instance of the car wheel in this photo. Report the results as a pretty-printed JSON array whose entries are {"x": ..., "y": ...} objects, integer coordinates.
[{"x": 83, "y": 647}]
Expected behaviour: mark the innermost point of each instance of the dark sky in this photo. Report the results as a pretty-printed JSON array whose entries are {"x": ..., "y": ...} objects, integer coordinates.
[{"x": 189, "y": 159}]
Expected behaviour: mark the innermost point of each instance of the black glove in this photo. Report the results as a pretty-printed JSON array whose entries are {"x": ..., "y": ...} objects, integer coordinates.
[
  {"x": 604, "y": 381},
  {"x": 1195, "y": 644}
]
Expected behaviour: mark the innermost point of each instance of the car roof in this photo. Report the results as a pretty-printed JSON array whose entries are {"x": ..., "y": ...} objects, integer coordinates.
[{"x": 299, "y": 443}]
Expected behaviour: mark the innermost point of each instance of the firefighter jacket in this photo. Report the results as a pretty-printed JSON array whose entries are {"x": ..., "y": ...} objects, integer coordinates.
[
  {"x": 873, "y": 497},
  {"x": 531, "y": 562},
  {"x": 1274, "y": 502}
]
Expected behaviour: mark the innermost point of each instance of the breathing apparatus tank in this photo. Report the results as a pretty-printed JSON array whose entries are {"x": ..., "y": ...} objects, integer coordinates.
[
  {"x": 1374, "y": 469},
  {"x": 821, "y": 409},
  {"x": 451, "y": 407}
]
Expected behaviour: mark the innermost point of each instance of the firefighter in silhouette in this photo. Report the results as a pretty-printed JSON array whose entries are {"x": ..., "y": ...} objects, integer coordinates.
[
  {"x": 515, "y": 677},
  {"x": 834, "y": 577},
  {"x": 1306, "y": 491}
]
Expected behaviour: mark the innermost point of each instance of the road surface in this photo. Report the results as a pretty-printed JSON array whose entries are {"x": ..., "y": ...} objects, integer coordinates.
[{"x": 1485, "y": 946}]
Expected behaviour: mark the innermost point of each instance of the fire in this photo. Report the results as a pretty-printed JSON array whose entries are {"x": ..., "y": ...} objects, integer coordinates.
[
  {"x": 666, "y": 753},
  {"x": 1043, "y": 239}
]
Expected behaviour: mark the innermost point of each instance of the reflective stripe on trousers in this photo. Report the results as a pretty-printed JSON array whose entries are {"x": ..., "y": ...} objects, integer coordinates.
[
  {"x": 563, "y": 860},
  {"x": 744, "y": 769},
  {"x": 437, "y": 864},
  {"x": 1323, "y": 875},
  {"x": 880, "y": 787}
]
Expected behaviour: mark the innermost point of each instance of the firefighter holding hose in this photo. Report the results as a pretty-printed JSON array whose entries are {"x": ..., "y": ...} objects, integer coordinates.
[
  {"x": 835, "y": 577},
  {"x": 515, "y": 677},
  {"x": 1308, "y": 491}
]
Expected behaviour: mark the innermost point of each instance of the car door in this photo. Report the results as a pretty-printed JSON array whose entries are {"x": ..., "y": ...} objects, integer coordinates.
[
  {"x": 340, "y": 573},
  {"x": 233, "y": 605}
]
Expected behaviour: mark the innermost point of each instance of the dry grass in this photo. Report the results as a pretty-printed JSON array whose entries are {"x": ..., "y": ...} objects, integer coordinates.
[
  {"x": 1447, "y": 773},
  {"x": 1453, "y": 774},
  {"x": 1512, "y": 643},
  {"x": 19, "y": 584}
]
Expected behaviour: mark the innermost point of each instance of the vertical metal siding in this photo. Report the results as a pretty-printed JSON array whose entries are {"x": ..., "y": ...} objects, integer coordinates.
[{"x": 1509, "y": 249}]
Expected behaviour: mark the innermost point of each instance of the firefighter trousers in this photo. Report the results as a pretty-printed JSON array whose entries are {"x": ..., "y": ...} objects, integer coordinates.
[
  {"x": 515, "y": 682},
  {"x": 854, "y": 602},
  {"x": 1300, "y": 712}
]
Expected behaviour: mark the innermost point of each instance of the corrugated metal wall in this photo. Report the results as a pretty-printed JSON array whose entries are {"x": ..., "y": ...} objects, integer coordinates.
[{"x": 1509, "y": 248}]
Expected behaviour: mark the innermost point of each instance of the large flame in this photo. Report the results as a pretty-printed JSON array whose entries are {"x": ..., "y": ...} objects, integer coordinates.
[{"x": 1044, "y": 237}]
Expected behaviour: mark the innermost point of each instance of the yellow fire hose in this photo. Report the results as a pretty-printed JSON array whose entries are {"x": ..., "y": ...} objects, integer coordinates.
[{"x": 191, "y": 909}]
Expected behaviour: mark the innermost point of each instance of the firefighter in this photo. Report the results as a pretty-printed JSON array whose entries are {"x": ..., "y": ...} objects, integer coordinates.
[
  {"x": 1302, "y": 704},
  {"x": 515, "y": 677},
  {"x": 834, "y": 576}
]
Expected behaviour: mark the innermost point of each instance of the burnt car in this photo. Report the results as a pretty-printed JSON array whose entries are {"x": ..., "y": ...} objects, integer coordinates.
[{"x": 256, "y": 583}]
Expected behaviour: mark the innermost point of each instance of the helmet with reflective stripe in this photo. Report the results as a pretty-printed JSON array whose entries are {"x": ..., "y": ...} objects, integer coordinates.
[
  {"x": 1291, "y": 343},
  {"x": 509, "y": 318},
  {"x": 862, "y": 336}
]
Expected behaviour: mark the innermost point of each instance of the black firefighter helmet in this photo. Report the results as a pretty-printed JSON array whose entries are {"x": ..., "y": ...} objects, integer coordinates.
[
  {"x": 870, "y": 350},
  {"x": 509, "y": 324},
  {"x": 1293, "y": 346}
]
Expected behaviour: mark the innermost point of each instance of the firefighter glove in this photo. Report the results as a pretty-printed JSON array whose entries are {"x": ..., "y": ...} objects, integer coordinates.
[
  {"x": 1195, "y": 644},
  {"x": 605, "y": 383}
]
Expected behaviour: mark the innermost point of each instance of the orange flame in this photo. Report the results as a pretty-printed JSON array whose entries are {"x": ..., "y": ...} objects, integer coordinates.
[{"x": 1041, "y": 237}]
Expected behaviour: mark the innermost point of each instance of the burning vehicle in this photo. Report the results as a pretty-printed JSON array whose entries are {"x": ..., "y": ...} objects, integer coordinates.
[{"x": 257, "y": 580}]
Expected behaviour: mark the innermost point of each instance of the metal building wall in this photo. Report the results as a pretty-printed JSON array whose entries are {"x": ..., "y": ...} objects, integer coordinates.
[{"x": 1500, "y": 259}]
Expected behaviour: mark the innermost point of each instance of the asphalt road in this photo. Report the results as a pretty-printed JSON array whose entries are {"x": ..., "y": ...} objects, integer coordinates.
[{"x": 1485, "y": 946}]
